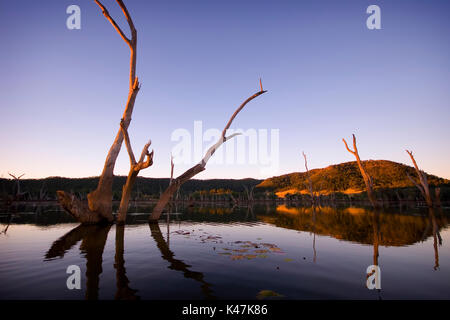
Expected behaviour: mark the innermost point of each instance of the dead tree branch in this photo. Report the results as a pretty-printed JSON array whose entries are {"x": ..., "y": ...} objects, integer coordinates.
[
  {"x": 145, "y": 161},
  {"x": 423, "y": 187},
  {"x": 367, "y": 178},
  {"x": 18, "y": 194},
  {"x": 188, "y": 174},
  {"x": 310, "y": 186}
]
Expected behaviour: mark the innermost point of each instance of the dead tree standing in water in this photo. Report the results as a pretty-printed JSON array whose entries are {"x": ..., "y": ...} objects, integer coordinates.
[
  {"x": 145, "y": 161},
  {"x": 423, "y": 186},
  {"x": 17, "y": 194},
  {"x": 308, "y": 177},
  {"x": 99, "y": 206},
  {"x": 366, "y": 176},
  {"x": 188, "y": 174}
]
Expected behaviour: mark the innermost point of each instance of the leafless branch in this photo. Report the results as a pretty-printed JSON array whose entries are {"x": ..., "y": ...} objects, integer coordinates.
[
  {"x": 366, "y": 177},
  {"x": 423, "y": 187},
  {"x": 310, "y": 186},
  {"x": 188, "y": 174},
  {"x": 113, "y": 22}
]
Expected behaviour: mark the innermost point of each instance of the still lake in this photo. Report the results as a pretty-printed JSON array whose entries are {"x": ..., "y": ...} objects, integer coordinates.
[{"x": 275, "y": 252}]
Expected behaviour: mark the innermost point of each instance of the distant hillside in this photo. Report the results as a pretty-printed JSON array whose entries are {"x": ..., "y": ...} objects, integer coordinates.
[
  {"x": 346, "y": 178},
  {"x": 143, "y": 186}
]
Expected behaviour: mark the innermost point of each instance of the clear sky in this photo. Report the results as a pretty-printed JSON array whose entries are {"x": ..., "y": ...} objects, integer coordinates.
[{"x": 62, "y": 92}]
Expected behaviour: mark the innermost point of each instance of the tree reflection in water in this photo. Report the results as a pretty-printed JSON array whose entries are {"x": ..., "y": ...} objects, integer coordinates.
[
  {"x": 93, "y": 240},
  {"x": 372, "y": 227},
  {"x": 124, "y": 292},
  {"x": 179, "y": 265},
  {"x": 376, "y": 241},
  {"x": 314, "y": 234},
  {"x": 436, "y": 237}
]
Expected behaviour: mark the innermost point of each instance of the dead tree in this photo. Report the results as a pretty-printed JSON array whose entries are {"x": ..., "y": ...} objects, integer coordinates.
[
  {"x": 42, "y": 192},
  {"x": 423, "y": 186},
  {"x": 188, "y": 174},
  {"x": 249, "y": 193},
  {"x": 367, "y": 178},
  {"x": 437, "y": 193},
  {"x": 17, "y": 194},
  {"x": 310, "y": 186},
  {"x": 145, "y": 161},
  {"x": 100, "y": 200},
  {"x": 170, "y": 181},
  {"x": 235, "y": 201}
]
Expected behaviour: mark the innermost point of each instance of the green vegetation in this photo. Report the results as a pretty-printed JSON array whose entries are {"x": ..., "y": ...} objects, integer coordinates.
[
  {"x": 346, "y": 178},
  {"x": 144, "y": 188},
  {"x": 342, "y": 181}
]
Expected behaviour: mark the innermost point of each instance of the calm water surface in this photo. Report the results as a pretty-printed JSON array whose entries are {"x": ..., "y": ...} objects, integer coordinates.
[{"x": 224, "y": 253}]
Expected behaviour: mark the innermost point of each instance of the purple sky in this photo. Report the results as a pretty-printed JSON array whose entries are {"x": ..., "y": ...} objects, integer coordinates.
[{"x": 63, "y": 91}]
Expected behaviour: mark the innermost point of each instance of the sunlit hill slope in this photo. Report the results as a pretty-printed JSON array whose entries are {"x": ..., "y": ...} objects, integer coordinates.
[{"x": 346, "y": 178}]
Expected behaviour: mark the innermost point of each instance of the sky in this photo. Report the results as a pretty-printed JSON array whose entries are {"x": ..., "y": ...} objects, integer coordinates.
[{"x": 62, "y": 92}]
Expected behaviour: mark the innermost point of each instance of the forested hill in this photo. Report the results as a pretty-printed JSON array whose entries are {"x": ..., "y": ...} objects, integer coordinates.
[
  {"x": 346, "y": 177},
  {"x": 46, "y": 188}
]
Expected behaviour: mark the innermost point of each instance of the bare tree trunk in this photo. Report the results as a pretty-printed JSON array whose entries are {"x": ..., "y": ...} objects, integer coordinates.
[
  {"x": 437, "y": 193},
  {"x": 100, "y": 200},
  {"x": 249, "y": 193},
  {"x": 145, "y": 161},
  {"x": 365, "y": 175},
  {"x": 176, "y": 183},
  {"x": 310, "y": 186},
  {"x": 17, "y": 194},
  {"x": 423, "y": 187},
  {"x": 77, "y": 208}
]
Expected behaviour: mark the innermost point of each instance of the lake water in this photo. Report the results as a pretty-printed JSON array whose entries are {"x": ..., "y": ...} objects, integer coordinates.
[{"x": 279, "y": 252}]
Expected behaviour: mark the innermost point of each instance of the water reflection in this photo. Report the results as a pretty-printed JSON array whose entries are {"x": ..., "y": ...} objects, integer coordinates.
[
  {"x": 363, "y": 226},
  {"x": 124, "y": 292},
  {"x": 372, "y": 228},
  {"x": 376, "y": 243},
  {"x": 314, "y": 234},
  {"x": 436, "y": 236},
  {"x": 355, "y": 224},
  {"x": 93, "y": 240},
  {"x": 9, "y": 218},
  {"x": 179, "y": 265}
]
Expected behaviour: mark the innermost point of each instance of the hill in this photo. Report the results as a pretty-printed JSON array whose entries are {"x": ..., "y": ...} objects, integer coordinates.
[
  {"x": 346, "y": 178},
  {"x": 46, "y": 188}
]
